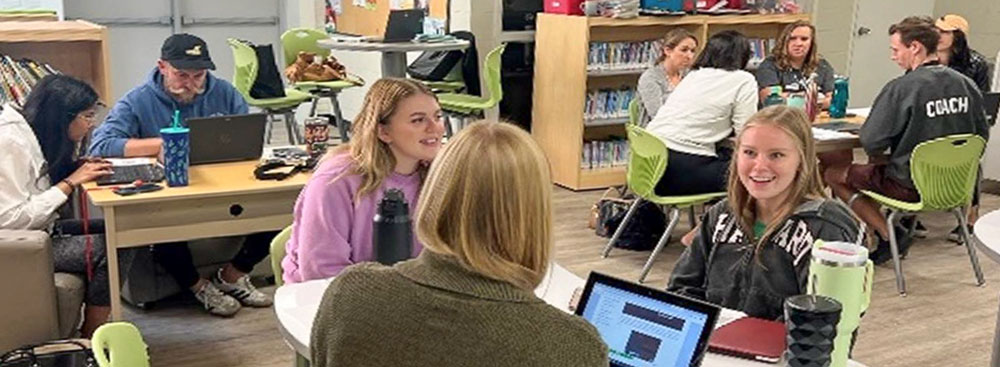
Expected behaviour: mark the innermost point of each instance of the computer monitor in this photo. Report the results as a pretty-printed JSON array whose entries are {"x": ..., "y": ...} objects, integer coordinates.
[{"x": 645, "y": 327}]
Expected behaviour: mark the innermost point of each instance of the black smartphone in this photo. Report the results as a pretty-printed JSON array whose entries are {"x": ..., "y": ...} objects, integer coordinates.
[{"x": 131, "y": 190}]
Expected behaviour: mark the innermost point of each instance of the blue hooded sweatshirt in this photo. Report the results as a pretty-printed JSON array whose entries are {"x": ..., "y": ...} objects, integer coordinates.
[{"x": 146, "y": 109}]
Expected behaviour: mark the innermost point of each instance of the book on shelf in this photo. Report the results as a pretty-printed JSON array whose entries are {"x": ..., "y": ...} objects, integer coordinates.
[
  {"x": 622, "y": 55},
  {"x": 606, "y": 104},
  {"x": 18, "y": 77},
  {"x": 760, "y": 48},
  {"x": 604, "y": 154}
]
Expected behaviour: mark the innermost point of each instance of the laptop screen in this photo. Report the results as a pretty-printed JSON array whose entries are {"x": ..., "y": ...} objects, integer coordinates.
[{"x": 643, "y": 329}]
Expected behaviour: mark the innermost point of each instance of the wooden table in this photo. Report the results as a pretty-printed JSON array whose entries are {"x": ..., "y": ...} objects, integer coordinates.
[
  {"x": 222, "y": 199},
  {"x": 823, "y": 146}
]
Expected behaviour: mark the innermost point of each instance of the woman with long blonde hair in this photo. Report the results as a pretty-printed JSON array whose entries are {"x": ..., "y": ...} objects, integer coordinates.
[
  {"x": 485, "y": 217},
  {"x": 753, "y": 249},
  {"x": 393, "y": 139},
  {"x": 794, "y": 58}
]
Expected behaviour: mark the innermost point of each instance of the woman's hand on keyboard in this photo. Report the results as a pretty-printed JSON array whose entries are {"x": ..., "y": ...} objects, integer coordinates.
[{"x": 89, "y": 171}]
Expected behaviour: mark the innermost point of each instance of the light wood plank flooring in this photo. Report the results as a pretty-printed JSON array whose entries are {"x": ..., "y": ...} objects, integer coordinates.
[{"x": 945, "y": 321}]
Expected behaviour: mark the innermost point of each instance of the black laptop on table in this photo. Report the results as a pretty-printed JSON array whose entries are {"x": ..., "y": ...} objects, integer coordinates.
[
  {"x": 227, "y": 138},
  {"x": 644, "y": 326},
  {"x": 403, "y": 25}
]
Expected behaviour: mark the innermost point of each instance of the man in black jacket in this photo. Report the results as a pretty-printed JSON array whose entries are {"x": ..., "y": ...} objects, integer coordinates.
[{"x": 929, "y": 101}]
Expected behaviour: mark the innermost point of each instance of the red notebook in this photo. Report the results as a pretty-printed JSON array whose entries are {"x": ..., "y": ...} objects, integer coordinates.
[{"x": 750, "y": 338}]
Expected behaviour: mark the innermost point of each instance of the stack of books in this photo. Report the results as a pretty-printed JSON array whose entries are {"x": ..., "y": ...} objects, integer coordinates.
[
  {"x": 607, "y": 104},
  {"x": 610, "y": 56},
  {"x": 604, "y": 153},
  {"x": 18, "y": 77}
]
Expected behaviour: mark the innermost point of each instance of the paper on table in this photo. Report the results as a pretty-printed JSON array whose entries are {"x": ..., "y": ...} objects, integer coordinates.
[
  {"x": 727, "y": 315},
  {"x": 118, "y": 162},
  {"x": 824, "y": 134}
]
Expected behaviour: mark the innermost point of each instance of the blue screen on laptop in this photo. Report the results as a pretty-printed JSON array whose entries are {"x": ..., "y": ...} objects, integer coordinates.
[{"x": 641, "y": 331}]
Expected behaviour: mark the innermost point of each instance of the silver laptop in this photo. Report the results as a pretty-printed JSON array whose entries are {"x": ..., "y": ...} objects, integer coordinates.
[{"x": 227, "y": 138}]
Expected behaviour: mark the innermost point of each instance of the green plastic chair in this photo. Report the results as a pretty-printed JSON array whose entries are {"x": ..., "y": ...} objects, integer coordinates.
[
  {"x": 634, "y": 111},
  {"x": 944, "y": 170},
  {"x": 278, "y": 253},
  {"x": 123, "y": 342},
  {"x": 304, "y": 39},
  {"x": 647, "y": 162},
  {"x": 245, "y": 72},
  {"x": 467, "y": 104}
]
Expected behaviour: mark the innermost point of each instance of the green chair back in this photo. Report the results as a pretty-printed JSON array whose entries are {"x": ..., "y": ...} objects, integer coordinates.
[
  {"x": 119, "y": 344},
  {"x": 647, "y": 161},
  {"x": 634, "y": 111},
  {"x": 302, "y": 39},
  {"x": 244, "y": 68},
  {"x": 944, "y": 170},
  {"x": 492, "y": 65},
  {"x": 278, "y": 253}
]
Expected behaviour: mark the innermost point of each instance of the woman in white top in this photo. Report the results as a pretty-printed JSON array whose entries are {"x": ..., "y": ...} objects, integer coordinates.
[
  {"x": 709, "y": 104},
  {"x": 657, "y": 82},
  {"x": 37, "y": 150}
]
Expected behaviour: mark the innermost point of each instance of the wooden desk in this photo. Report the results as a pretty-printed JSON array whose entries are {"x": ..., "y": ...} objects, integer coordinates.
[
  {"x": 221, "y": 199},
  {"x": 824, "y": 146}
]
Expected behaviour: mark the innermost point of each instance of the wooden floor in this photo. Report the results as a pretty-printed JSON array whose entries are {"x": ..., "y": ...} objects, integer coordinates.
[{"x": 944, "y": 321}]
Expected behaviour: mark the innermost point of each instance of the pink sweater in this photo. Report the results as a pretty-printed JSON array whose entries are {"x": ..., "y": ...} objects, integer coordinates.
[{"x": 331, "y": 230}]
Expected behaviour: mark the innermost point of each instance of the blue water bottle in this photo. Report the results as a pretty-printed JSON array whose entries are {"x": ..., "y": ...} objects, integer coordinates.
[{"x": 838, "y": 106}]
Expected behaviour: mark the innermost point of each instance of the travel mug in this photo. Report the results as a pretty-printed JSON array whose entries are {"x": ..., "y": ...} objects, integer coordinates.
[
  {"x": 176, "y": 149},
  {"x": 317, "y": 135},
  {"x": 392, "y": 234},
  {"x": 842, "y": 271},
  {"x": 811, "y": 322}
]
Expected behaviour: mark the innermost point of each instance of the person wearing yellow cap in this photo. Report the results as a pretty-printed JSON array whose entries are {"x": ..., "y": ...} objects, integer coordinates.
[{"x": 953, "y": 50}]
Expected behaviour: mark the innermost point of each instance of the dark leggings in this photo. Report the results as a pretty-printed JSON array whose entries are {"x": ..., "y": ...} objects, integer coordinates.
[
  {"x": 69, "y": 246},
  {"x": 691, "y": 174},
  {"x": 175, "y": 257}
]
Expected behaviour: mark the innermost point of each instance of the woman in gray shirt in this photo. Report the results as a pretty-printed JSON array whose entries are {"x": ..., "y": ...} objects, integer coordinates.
[{"x": 657, "y": 82}]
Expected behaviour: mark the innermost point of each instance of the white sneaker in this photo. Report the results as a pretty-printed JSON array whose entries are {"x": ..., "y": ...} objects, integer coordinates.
[
  {"x": 242, "y": 290},
  {"x": 216, "y": 302}
]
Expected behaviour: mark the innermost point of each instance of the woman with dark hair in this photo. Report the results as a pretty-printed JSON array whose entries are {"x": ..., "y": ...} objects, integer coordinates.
[
  {"x": 39, "y": 174},
  {"x": 656, "y": 83},
  {"x": 793, "y": 60},
  {"x": 711, "y": 102},
  {"x": 953, "y": 50}
]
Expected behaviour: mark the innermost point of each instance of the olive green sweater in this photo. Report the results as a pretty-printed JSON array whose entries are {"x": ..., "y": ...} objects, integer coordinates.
[{"x": 431, "y": 311}]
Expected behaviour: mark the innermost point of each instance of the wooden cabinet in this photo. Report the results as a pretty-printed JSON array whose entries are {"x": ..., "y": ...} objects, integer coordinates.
[
  {"x": 562, "y": 80},
  {"x": 77, "y": 48}
]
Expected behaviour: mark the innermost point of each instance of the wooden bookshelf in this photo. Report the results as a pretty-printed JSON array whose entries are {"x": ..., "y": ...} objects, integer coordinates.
[
  {"x": 77, "y": 48},
  {"x": 562, "y": 80}
]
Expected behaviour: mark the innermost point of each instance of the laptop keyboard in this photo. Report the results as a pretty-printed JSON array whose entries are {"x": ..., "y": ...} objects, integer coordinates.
[{"x": 128, "y": 174}]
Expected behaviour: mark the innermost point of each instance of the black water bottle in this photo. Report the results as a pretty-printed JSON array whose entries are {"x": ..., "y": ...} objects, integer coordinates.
[{"x": 392, "y": 235}]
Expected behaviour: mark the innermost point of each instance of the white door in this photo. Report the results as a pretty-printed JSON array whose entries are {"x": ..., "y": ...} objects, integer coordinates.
[
  {"x": 137, "y": 30},
  {"x": 870, "y": 66}
]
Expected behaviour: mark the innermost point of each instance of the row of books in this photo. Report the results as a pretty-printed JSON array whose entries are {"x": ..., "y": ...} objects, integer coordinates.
[
  {"x": 604, "y": 153},
  {"x": 760, "y": 48},
  {"x": 603, "y": 104},
  {"x": 18, "y": 77},
  {"x": 622, "y": 55}
]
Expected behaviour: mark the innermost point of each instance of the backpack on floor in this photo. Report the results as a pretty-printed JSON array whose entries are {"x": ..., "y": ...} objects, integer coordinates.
[{"x": 642, "y": 230}]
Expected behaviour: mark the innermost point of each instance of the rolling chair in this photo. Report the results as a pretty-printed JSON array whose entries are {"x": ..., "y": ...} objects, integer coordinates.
[{"x": 245, "y": 72}]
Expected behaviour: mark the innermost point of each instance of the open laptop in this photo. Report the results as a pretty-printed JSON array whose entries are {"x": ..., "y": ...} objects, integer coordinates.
[
  {"x": 991, "y": 103},
  {"x": 646, "y": 327},
  {"x": 227, "y": 138},
  {"x": 403, "y": 26}
]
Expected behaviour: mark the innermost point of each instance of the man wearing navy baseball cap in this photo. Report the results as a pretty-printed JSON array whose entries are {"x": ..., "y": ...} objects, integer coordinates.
[{"x": 182, "y": 82}]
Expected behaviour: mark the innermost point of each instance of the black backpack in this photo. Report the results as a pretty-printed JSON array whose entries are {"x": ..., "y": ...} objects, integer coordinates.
[{"x": 642, "y": 230}]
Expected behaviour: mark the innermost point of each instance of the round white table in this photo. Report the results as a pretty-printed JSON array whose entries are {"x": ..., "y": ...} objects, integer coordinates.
[
  {"x": 393, "y": 53},
  {"x": 987, "y": 233},
  {"x": 296, "y": 304}
]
